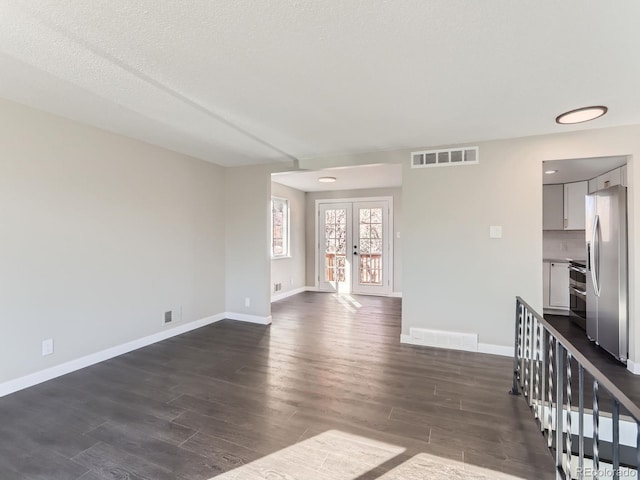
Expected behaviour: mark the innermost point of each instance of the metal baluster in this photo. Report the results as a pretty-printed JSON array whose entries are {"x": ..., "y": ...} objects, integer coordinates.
[
  {"x": 516, "y": 350},
  {"x": 580, "y": 422},
  {"x": 615, "y": 419},
  {"x": 543, "y": 357},
  {"x": 637, "y": 446},
  {"x": 596, "y": 431},
  {"x": 532, "y": 332},
  {"x": 538, "y": 396},
  {"x": 550, "y": 417},
  {"x": 568, "y": 439},
  {"x": 559, "y": 405},
  {"x": 526, "y": 355},
  {"x": 522, "y": 340}
]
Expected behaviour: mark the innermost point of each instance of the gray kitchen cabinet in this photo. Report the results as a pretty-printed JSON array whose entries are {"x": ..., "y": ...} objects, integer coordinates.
[
  {"x": 559, "y": 285},
  {"x": 563, "y": 206},
  {"x": 552, "y": 207},
  {"x": 574, "y": 215},
  {"x": 610, "y": 179}
]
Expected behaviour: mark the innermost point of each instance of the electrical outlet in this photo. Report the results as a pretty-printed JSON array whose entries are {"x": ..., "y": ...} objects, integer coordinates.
[
  {"x": 47, "y": 347},
  {"x": 247, "y": 302}
]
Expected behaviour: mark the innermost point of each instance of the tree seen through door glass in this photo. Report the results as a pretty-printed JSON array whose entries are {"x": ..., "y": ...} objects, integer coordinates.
[
  {"x": 370, "y": 243},
  {"x": 335, "y": 236}
]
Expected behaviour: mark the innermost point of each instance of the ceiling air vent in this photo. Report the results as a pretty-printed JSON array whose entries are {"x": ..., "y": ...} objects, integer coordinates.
[{"x": 445, "y": 158}]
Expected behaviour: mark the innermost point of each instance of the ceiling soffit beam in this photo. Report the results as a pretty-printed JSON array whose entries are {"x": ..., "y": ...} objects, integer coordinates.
[{"x": 164, "y": 88}]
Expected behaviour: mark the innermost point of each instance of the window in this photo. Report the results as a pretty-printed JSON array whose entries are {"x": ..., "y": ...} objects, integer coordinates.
[{"x": 279, "y": 227}]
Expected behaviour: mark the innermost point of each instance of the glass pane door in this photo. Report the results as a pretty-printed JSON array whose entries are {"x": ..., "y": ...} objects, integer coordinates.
[
  {"x": 371, "y": 247},
  {"x": 354, "y": 247},
  {"x": 370, "y": 243},
  {"x": 335, "y": 247}
]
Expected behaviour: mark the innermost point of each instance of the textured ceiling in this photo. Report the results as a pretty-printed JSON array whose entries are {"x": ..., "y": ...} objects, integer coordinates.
[{"x": 245, "y": 81}]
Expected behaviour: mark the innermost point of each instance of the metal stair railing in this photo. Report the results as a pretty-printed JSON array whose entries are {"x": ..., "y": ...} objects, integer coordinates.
[{"x": 544, "y": 362}]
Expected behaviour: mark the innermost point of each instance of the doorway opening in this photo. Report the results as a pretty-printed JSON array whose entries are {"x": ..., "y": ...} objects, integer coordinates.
[
  {"x": 566, "y": 184},
  {"x": 585, "y": 264},
  {"x": 352, "y": 246}
]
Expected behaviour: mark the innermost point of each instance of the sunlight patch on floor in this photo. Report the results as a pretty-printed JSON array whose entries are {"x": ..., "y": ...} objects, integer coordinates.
[
  {"x": 336, "y": 455},
  {"x": 348, "y": 301},
  {"x": 332, "y": 455},
  {"x": 425, "y": 466}
]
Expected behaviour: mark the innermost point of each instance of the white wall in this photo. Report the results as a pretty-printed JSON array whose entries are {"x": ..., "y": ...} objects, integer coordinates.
[
  {"x": 454, "y": 276},
  {"x": 458, "y": 279},
  {"x": 248, "y": 249},
  {"x": 290, "y": 272},
  {"x": 99, "y": 235},
  {"x": 311, "y": 225}
]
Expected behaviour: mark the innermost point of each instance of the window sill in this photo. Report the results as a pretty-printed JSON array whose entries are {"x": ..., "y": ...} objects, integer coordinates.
[{"x": 280, "y": 257}]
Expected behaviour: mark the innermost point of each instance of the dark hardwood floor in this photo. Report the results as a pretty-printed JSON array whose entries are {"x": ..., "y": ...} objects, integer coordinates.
[
  {"x": 226, "y": 395},
  {"x": 615, "y": 371}
]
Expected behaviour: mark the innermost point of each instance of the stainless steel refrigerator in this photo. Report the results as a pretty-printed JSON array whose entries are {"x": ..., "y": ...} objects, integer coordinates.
[{"x": 606, "y": 237}]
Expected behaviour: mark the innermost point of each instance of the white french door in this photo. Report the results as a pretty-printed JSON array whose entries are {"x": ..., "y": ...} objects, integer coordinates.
[{"x": 354, "y": 247}]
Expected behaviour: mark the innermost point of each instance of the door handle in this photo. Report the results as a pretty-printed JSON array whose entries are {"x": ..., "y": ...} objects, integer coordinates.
[
  {"x": 581, "y": 292},
  {"x": 595, "y": 255}
]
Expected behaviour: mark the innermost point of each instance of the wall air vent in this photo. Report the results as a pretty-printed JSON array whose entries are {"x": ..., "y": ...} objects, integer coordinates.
[{"x": 445, "y": 158}]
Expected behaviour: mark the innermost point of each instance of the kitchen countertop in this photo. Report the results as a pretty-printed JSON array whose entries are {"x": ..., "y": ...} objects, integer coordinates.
[{"x": 563, "y": 260}]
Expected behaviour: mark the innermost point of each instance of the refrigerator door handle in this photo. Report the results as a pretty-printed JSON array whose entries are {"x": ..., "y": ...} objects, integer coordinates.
[{"x": 595, "y": 254}]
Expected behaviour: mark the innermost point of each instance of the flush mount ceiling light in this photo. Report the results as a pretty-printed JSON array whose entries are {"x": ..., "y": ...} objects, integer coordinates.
[
  {"x": 327, "y": 179},
  {"x": 550, "y": 172},
  {"x": 580, "y": 115}
]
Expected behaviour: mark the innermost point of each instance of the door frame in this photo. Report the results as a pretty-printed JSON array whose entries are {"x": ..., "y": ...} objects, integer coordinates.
[{"x": 388, "y": 230}]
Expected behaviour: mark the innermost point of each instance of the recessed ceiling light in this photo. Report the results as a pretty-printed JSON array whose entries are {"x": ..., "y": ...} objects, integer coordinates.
[
  {"x": 550, "y": 172},
  {"x": 327, "y": 179},
  {"x": 580, "y": 115}
]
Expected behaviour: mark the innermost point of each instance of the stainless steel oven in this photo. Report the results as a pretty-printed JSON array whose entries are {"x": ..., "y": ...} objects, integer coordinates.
[{"x": 578, "y": 293}]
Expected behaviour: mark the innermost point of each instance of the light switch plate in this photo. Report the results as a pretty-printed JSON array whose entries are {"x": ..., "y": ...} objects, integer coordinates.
[
  {"x": 495, "y": 231},
  {"x": 47, "y": 347}
]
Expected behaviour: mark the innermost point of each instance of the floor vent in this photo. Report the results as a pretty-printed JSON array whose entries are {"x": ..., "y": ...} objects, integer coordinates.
[
  {"x": 445, "y": 158},
  {"x": 442, "y": 339}
]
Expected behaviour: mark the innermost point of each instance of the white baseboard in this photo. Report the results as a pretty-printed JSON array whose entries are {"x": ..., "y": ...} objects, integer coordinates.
[
  {"x": 411, "y": 341},
  {"x": 244, "y": 317},
  {"x": 633, "y": 367},
  {"x": 482, "y": 347},
  {"x": 32, "y": 379},
  {"x": 501, "y": 350},
  {"x": 295, "y": 291},
  {"x": 392, "y": 294}
]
